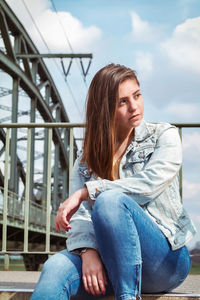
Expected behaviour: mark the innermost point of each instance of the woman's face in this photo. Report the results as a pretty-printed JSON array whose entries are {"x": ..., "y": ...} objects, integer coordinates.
[{"x": 130, "y": 106}]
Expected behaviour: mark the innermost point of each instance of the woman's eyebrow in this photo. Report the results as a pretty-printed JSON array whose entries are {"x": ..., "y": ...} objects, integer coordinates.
[
  {"x": 125, "y": 97},
  {"x": 137, "y": 92}
]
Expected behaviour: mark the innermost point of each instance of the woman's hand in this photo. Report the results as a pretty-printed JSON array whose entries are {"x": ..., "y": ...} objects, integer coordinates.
[
  {"x": 93, "y": 273},
  {"x": 68, "y": 208}
]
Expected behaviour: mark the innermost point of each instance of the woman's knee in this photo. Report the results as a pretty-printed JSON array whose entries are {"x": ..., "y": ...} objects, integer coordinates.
[
  {"x": 104, "y": 200},
  {"x": 60, "y": 277},
  {"x": 107, "y": 205},
  {"x": 62, "y": 263},
  {"x": 55, "y": 260}
]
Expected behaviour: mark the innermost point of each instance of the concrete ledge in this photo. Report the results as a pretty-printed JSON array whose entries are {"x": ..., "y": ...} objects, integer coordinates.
[
  {"x": 170, "y": 296},
  {"x": 19, "y": 285},
  {"x": 27, "y": 295},
  {"x": 15, "y": 296},
  {"x": 19, "y": 295}
]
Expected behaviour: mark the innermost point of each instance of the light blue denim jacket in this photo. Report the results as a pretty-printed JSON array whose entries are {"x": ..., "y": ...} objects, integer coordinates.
[{"x": 149, "y": 174}]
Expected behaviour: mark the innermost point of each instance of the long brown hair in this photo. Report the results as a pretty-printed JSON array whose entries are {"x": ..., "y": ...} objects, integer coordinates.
[{"x": 98, "y": 148}]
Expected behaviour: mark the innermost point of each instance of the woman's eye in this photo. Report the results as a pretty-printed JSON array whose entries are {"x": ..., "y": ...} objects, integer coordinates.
[
  {"x": 137, "y": 95},
  {"x": 122, "y": 101}
]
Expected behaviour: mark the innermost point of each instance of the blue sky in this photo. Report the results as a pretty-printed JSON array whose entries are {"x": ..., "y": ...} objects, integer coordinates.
[
  {"x": 159, "y": 39},
  {"x": 112, "y": 15}
]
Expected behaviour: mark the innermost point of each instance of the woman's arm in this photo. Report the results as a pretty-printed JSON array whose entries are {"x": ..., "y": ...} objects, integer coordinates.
[
  {"x": 93, "y": 273},
  {"x": 81, "y": 234},
  {"x": 149, "y": 183},
  {"x": 68, "y": 208}
]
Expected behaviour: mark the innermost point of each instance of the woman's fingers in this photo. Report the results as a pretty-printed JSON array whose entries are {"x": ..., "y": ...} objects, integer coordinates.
[
  {"x": 94, "y": 284},
  {"x": 61, "y": 219},
  {"x": 94, "y": 276},
  {"x": 102, "y": 282},
  {"x": 90, "y": 285},
  {"x": 84, "y": 278},
  {"x": 105, "y": 277},
  {"x": 57, "y": 226},
  {"x": 68, "y": 208}
]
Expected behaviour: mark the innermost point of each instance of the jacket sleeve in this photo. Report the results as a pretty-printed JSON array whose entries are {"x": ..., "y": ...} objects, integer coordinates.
[
  {"x": 81, "y": 234},
  {"x": 149, "y": 183}
]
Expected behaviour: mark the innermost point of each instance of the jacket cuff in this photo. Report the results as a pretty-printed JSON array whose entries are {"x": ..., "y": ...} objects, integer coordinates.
[{"x": 74, "y": 246}]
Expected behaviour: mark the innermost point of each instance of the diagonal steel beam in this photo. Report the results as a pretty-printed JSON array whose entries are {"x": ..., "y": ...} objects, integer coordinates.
[
  {"x": 5, "y": 36},
  {"x": 31, "y": 89},
  {"x": 17, "y": 28}
]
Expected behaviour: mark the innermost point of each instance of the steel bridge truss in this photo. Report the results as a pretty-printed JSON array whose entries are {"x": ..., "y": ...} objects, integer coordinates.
[
  {"x": 27, "y": 91},
  {"x": 20, "y": 59}
]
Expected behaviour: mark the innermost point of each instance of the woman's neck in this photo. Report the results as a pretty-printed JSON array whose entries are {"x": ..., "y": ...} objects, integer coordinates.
[
  {"x": 124, "y": 138},
  {"x": 121, "y": 144}
]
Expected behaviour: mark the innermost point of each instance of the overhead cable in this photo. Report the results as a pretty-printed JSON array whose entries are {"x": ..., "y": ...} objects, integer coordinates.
[
  {"x": 50, "y": 52},
  {"x": 68, "y": 42}
]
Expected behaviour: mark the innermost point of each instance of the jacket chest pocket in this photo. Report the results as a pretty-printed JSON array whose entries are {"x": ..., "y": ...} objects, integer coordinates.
[{"x": 138, "y": 161}]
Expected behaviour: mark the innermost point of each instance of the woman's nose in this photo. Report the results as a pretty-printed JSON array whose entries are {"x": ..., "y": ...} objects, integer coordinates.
[{"x": 132, "y": 105}]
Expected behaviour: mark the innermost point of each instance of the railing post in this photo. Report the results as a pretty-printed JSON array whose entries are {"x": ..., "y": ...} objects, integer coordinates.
[
  {"x": 13, "y": 184},
  {"x": 27, "y": 192},
  {"x": 57, "y": 169},
  {"x": 6, "y": 262},
  {"x": 48, "y": 221},
  {"x": 45, "y": 163},
  {"x": 65, "y": 173},
  {"x": 5, "y": 198},
  {"x": 181, "y": 170},
  {"x": 32, "y": 154},
  {"x": 71, "y": 151}
]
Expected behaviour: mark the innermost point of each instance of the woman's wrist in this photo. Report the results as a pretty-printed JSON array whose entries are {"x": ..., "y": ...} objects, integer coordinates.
[
  {"x": 86, "y": 251},
  {"x": 84, "y": 194}
]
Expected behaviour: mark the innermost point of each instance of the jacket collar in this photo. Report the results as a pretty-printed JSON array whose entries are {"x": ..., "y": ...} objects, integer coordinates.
[{"x": 143, "y": 131}]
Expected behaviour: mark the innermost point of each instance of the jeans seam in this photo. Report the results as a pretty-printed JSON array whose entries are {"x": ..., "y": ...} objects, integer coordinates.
[
  {"x": 127, "y": 296},
  {"x": 67, "y": 285}
]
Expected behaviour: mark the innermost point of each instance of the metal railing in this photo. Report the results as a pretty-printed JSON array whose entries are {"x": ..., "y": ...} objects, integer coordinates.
[
  {"x": 43, "y": 216},
  {"x": 37, "y": 217},
  {"x": 27, "y": 207}
]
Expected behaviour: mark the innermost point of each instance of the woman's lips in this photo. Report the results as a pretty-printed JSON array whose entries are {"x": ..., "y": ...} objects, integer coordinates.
[{"x": 134, "y": 117}]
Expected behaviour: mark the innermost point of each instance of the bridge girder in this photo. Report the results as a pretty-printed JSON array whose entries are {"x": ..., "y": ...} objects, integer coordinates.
[{"x": 32, "y": 76}]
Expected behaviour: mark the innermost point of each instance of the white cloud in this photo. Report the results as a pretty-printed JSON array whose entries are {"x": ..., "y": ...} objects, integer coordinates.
[
  {"x": 143, "y": 30},
  {"x": 191, "y": 202},
  {"x": 191, "y": 190},
  {"x": 183, "y": 47},
  {"x": 184, "y": 111},
  {"x": 191, "y": 142},
  {"x": 140, "y": 27},
  {"x": 144, "y": 64},
  {"x": 84, "y": 39},
  {"x": 81, "y": 38},
  {"x": 36, "y": 8},
  {"x": 191, "y": 153}
]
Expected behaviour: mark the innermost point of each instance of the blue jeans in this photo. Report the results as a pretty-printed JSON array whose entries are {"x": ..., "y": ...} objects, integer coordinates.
[{"x": 136, "y": 254}]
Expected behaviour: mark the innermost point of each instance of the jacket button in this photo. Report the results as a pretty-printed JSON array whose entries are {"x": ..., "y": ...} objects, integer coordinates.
[
  {"x": 141, "y": 155},
  {"x": 175, "y": 241},
  {"x": 158, "y": 221}
]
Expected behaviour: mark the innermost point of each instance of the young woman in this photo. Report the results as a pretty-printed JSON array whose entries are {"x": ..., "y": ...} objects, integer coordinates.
[{"x": 127, "y": 228}]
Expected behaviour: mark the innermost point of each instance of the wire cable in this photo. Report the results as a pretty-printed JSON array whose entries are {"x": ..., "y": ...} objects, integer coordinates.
[
  {"x": 66, "y": 36},
  {"x": 67, "y": 39},
  {"x": 72, "y": 95},
  {"x": 60, "y": 71},
  {"x": 35, "y": 25}
]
